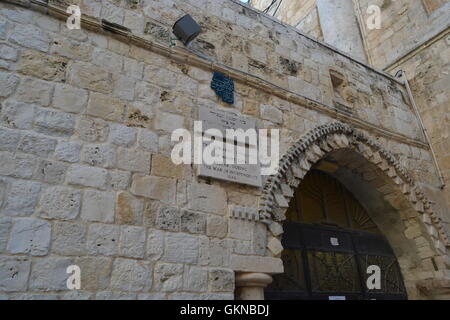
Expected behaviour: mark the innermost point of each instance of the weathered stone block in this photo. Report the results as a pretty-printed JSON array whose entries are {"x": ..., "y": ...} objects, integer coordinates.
[
  {"x": 160, "y": 76},
  {"x": 101, "y": 155},
  {"x": 17, "y": 165},
  {"x": 131, "y": 275},
  {"x": 129, "y": 210},
  {"x": 163, "y": 166},
  {"x": 208, "y": 198},
  {"x": 54, "y": 123},
  {"x": 60, "y": 203},
  {"x": 69, "y": 99},
  {"x": 103, "y": 239},
  {"x": 22, "y": 198},
  {"x": 193, "y": 222},
  {"x": 168, "y": 277},
  {"x": 181, "y": 248},
  {"x": 133, "y": 68},
  {"x": 195, "y": 279},
  {"x": 109, "y": 295},
  {"x": 31, "y": 37},
  {"x": 148, "y": 140},
  {"x": 15, "y": 114},
  {"x": 217, "y": 296},
  {"x": 147, "y": 93},
  {"x": 14, "y": 273},
  {"x": 167, "y": 218},
  {"x": 119, "y": 180},
  {"x": 259, "y": 239},
  {"x": 87, "y": 176},
  {"x": 35, "y": 91},
  {"x": 88, "y": 76},
  {"x": 140, "y": 114},
  {"x": 256, "y": 264},
  {"x": 133, "y": 160},
  {"x": 132, "y": 241},
  {"x": 69, "y": 238},
  {"x": 51, "y": 171},
  {"x": 168, "y": 122},
  {"x": 221, "y": 280},
  {"x": 8, "y": 52},
  {"x": 157, "y": 188},
  {"x": 38, "y": 145},
  {"x": 39, "y": 65},
  {"x": 95, "y": 272},
  {"x": 5, "y": 226},
  {"x": 151, "y": 296},
  {"x": 92, "y": 130},
  {"x": 240, "y": 229},
  {"x": 105, "y": 107},
  {"x": 9, "y": 139},
  {"x": 70, "y": 48},
  {"x": 29, "y": 235},
  {"x": 122, "y": 135},
  {"x": 155, "y": 244},
  {"x": 275, "y": 246},
  {"x": 124, "y": 88},
  {"x": 35, "y": 296},
  {"x": 107, "y": 60},
  {"x": 413, "y": 231},
  {"x": 271, "y": 114},
  {"x": 5, "y": 26},
  {"x": 77, "y": 295},
  {"x": 50, "y": 274},
  {"x": 217, "y": 227},
  {"x": 217, "y": 252},
  {"x": 68, "y": 151},
  {"x": 98, "y": 206},
  {"x": 276, "y": 229},
  {"x": 8, "y": 83}
]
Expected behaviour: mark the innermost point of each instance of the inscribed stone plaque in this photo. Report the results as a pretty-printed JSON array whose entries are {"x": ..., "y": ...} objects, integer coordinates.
[{"x": 246, "y": 173}]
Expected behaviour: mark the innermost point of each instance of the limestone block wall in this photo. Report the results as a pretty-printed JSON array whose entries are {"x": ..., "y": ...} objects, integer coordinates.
[
  {"x": 404, "y": 25},
  {"x": 85, "y": 124},
  {"x": 290, "y": 12},
  {"x": 427, "y": 71}
]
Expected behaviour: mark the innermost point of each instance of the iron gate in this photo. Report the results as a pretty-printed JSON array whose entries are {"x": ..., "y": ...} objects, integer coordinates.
[{"x": 324, "y": 262}]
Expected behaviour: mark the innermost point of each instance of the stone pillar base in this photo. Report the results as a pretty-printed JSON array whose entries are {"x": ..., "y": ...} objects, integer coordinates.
[{"x": 251, "y": 285}]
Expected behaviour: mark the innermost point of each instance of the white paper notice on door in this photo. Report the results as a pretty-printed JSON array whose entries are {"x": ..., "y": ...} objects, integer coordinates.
[
  {"x": 336, "y": 298},
  {"x": 334, "y": 241}
]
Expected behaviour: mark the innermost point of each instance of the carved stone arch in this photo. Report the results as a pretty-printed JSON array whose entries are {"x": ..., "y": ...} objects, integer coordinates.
[{"x": 399, "y": 190}]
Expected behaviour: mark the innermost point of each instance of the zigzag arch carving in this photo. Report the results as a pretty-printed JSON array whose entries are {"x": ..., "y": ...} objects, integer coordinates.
[{"x": 299, "y": 159}]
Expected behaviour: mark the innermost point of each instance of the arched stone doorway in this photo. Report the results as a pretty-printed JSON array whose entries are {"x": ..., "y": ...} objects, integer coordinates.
[
  {"x": 330, "y": 241},
  {"x": 394, "y": 201}
]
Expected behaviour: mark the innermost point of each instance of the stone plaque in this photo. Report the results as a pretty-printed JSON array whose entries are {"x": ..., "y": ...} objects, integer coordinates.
[{"x": 249, "y": 174}]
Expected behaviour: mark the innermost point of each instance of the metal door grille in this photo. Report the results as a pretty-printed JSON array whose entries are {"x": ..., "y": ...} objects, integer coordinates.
[{"x": 321, "y": 262}]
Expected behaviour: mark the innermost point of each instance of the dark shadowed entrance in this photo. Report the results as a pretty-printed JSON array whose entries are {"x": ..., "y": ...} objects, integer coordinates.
[{"x": 329, "y": 242}]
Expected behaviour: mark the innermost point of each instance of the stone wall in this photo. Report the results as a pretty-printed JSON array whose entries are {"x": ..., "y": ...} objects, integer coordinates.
[
  {"x": 290, "y": 12},
  {"x": 85, "y": 124},
  {"x": 404, "y": 25},
  {"x": 429, "y": 81},
  {"x": 413, "y": 36}
]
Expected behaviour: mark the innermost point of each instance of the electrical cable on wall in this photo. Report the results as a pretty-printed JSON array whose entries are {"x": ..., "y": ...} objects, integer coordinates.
[{"x": 266, "y": 10}]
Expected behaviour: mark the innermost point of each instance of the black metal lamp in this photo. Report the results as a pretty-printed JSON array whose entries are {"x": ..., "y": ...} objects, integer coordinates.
[{"x": 186, "y": 29}]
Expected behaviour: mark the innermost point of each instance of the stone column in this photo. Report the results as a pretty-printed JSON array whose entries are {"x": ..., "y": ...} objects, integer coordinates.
[
  {"x": 251, "y": 285},
  {"x": 340, "y": 27}
]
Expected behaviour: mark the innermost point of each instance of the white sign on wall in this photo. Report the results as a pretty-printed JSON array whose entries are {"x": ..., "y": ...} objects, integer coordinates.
[{"x": 249, "y": 174}]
